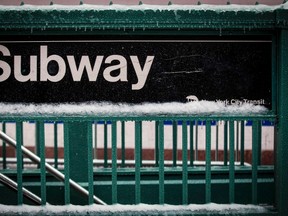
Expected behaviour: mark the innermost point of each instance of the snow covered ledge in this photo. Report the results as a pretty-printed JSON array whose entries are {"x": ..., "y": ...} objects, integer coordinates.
[
  {"x": 141, "y": 209},
  {"x": 125, "y": 109},
  {"x": 154, "y": 7}
]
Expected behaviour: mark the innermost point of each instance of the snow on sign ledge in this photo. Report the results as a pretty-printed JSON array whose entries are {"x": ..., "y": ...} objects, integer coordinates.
[
  {"x": 116, "y": 7},
  {"x": 140, "y": 209},
  {"x": 124, "y": 109}
]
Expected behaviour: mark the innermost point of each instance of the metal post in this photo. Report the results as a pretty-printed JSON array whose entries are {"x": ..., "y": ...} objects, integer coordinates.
[
  {"x": 123, "y": 154},
  {"x": 161, "y": 164},
  {"x": 137, "y": 163},
  {"x": 175, "y": 137},
  {"x": 19, "y": 138},
  {"x": 232, "y": 161},
  {"x": 208, "y": 163},
  {"x": 114, "y": 162},
  {"x": 281, "y": 147},
  {"x": 184, "y": 164}
]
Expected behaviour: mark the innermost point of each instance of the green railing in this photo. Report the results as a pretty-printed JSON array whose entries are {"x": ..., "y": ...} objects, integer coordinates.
[
  {"x": 132, "y": 181},
  {"x": 182, "y": 168}
]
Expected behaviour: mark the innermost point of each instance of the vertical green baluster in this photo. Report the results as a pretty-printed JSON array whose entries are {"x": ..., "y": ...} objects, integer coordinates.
[
  {"x": 184, "y": 164},
  {"x": 242, "y": 142},
  {"x": 237, "y": 141},
  {"x": 255, "y": 148},
  {"x": 225, "y": 143},
  {"x": 175, "y": 137},
  {"x": 137, "y": 163},
  {"x": 19, "y": 141},
  {"x": 208, "y": 162},
  {"x": 161, "y": 163},
  {"x": 41, "y": 145},
  {"x": 191, "y": 143},
  {"x": 4, "y": 147},
  {"x": 56, "y": 145},
  {"x": 231, "y": 162},
  {"x": 66, "y": 163},
  {"x": 123, "y": 144},
  {"x": 105, "y": 146},
  {"x": 90, "y": 163},
  {"x": 140, "y": 142},
  {"x": 217, "y": 141},
  {"x": 196, "y": 140},
  {"x": 114, "y": 162},
  {"x": 156, "y": 143}
]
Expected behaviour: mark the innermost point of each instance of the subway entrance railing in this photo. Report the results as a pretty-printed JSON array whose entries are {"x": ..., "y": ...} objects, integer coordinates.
[
  {"x": 233, "y": 168},
  {"x": 138, "y": 54}
]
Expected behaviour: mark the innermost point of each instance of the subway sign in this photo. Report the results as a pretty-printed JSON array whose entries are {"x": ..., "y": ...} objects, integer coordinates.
[{"x": 135, "y": 70}]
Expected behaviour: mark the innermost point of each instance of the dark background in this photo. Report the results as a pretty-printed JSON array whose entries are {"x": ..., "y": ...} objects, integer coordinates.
[{"x": 208, "y": 69}]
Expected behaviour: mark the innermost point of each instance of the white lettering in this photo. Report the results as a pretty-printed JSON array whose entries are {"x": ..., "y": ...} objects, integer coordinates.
[
  {"x": 142, "y": 74},
  {"x": 53, "y": 68},
  {"x": 32, "y": 76},
  {"x": 122, "y": 66},
  {"x": 85, "y": 63},
  {"x": 44, "y": 61},
  {"x": 4, "y": 65}
]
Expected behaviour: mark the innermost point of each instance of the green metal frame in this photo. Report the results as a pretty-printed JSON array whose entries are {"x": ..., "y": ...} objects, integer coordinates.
[{"x": 274, "y": 23}]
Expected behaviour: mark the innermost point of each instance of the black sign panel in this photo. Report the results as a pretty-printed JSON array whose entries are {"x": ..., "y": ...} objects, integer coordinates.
[{"x": 135, "y": 71}]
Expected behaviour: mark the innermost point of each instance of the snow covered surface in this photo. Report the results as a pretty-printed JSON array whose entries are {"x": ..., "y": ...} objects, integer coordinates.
[
  {"x": 202, "y": 7},
  {"x": 141, "y": 209},
  {"x": 111, "y": 109}
]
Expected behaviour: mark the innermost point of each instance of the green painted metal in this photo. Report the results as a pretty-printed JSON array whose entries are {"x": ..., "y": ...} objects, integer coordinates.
[
  {"x": 225, "y": 143},
  {"x": 82, "y": 118},
  {"x": 255, "y": 160},
  {"x": 184, "y": 164},
  {"x": 175, "y": 138},
  {"x": 56, "y": 145},
  {"x": 93, "y": 21},
  {"x": 90, "y": 163},
  {"x": 114, "y": 162},
  {"x": 196, "y": 139},
  {"x": 123, "y": 144},
  {"x": 19, "y": 139},
  {"x": 191, "y": 143},
  {"x": 137, "y": 163},
  {"x": 105, "y": 144},
  {"x": 66, "y": 163},
  {"x": 161, "y": 163},
  {"x": 281, "y": 152},
  {"x": 190, "y": 181},
  {"x": 208, "y": 163},
  {"x": 140, "y": 142},
  {"x": 242, "y": 143},
  {"x": 217, "y": 141},
  {"x": 156, "y": 143}
]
